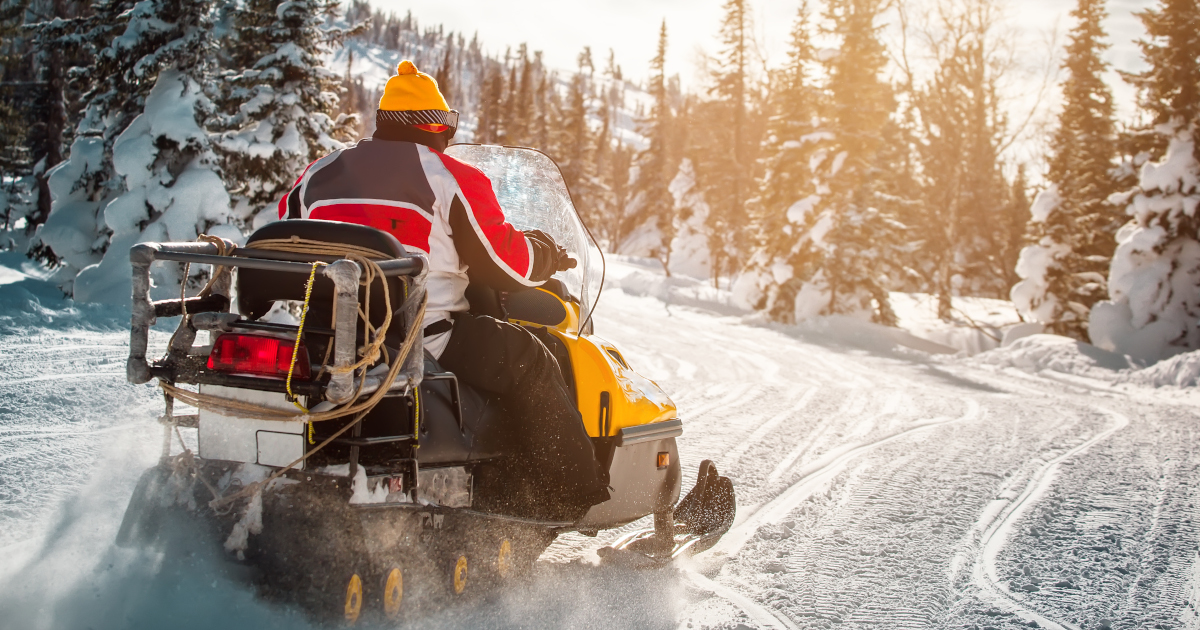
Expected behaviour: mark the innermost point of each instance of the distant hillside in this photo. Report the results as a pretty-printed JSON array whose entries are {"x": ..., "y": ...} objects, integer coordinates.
[{"x": 462, "y": 67}]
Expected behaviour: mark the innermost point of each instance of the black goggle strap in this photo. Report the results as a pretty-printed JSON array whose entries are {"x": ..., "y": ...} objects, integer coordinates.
[{"x": 420, "y": 117}]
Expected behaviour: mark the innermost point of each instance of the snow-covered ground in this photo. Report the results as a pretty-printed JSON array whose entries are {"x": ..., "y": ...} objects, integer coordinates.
[{"x": 1042, "y": 484}]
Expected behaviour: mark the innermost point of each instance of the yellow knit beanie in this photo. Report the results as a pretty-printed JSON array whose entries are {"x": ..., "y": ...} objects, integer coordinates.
[{"x": 411, "y": 90}]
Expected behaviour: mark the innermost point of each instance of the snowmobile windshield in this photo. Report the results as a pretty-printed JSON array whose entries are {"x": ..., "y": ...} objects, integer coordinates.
[{"x": 534, "y": 197}]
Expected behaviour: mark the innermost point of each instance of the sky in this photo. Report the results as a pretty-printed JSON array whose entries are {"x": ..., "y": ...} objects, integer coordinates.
[{"x": 560, "y": 28}]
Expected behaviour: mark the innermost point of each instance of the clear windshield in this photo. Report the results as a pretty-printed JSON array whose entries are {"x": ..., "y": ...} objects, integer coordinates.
[{"x": 532, "y": 193}]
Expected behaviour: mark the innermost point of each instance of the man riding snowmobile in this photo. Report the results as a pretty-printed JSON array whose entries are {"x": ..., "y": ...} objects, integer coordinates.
[{"x": 401, "y": 182}]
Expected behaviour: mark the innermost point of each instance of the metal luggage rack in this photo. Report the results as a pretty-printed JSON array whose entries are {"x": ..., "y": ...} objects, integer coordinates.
[{"x": 211, "y": 312}]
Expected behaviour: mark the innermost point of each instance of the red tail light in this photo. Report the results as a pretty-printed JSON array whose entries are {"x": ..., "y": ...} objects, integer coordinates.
[{"x": 257, "y": 355}]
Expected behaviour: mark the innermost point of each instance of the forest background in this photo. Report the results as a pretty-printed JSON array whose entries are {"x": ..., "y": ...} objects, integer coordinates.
[{"x": 876, "y": 157}]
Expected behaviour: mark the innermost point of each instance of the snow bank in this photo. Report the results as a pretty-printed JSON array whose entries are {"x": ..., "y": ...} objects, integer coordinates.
[
  {"x": 1060, "y": 354},
  {"x": 29, "y": 299},
  {"x": 977, "y": 324},
  {"x": 1182, "y": 370},
  {"x": 643, "y": 277}
]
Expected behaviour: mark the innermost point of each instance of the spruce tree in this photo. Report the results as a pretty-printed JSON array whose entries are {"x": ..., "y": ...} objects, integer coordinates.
[
  {"x": 141, "y": 166},
  {"x": 574, "y": 150},
  {"x": 850, "y": 229},
  {"x": 787, "y": 184},
  {"x": 1153, "y": 310},
  {"x": 727, "y": 171},
  {"x": 651, "y": 202},
  {"x": 40, "y": 54},
  {"x": 278, "y": 103},
  {"x": 1073, "y": 230}
]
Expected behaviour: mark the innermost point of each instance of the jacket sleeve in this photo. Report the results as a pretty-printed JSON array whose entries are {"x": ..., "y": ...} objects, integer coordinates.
[
  {"x": 289, "y": 205},
  {"x": 496, "y": 253}
]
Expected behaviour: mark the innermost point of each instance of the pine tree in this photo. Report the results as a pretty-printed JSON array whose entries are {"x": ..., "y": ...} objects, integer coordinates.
[
  {"x": 446, "y": 79},
  {"x": 727, "y": 170},
  {"x": 1153, "y": 310},
  {"x": 574, "y": 147},
  {"x": 652, "y": 204},
  {"x": 141, "y": 166},
  {"x": 37, "y": 59},
  {"x": 1074, "y": 227},
  {"x": 849, "y": 230},
  {"x": 787, "y": 185},
  {"x": 490, "y": 108},
  {"x": 279, "y": 103}
]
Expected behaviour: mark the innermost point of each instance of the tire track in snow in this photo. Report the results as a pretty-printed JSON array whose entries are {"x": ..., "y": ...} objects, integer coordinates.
[
  {"x": 997, "y": 530},
  {"x": 853, "y": 405},
  {"x": 761, "y": 615},
  {"x": 814, "y": 478},
  {"x": 730, "y": 460}
]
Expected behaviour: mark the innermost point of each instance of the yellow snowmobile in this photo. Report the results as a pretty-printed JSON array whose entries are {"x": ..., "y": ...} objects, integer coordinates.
[{"x": 341, "y": 463}]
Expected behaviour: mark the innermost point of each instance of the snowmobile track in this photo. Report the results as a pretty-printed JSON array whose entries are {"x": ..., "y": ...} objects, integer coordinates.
[
  {"x": 815, "y": 477},
  {"x": 997, "y": 530}
]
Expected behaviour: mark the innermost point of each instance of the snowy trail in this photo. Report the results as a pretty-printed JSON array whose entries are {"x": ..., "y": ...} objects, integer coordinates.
[
  {"x": 877, "y": 487},
  {"x": 997, "y": 531}
]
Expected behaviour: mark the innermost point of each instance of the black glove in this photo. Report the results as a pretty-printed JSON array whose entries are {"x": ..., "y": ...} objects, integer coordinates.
[{"x": 560, "y": 259}]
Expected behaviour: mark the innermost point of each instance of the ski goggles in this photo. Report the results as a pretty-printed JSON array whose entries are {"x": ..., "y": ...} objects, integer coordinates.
[{"x": 421, "y": 118}]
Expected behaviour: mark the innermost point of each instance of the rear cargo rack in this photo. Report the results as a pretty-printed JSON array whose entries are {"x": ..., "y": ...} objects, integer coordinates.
[{"x": 345, "y": 275}]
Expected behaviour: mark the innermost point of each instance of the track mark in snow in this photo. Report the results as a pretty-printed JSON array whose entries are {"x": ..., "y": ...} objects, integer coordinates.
[
  {"x": 852, "y": 407},
  {"x": 739, "y": 395},
  {"x": 997, "y": 525},
  {"x": 767, "y": 427},
  {"x": 763, "y": 616},
  {"x": 63, "y": 377},
  {"x": 815, "y": 477}
]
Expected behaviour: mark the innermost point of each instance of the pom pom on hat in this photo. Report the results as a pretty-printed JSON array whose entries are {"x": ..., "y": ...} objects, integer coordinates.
[{"x": 411, "y": 90}]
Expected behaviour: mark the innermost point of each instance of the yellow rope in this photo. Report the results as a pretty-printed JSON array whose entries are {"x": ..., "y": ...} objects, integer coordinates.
[
  {"x": 370, "y": 352},
  {"x": 300, "y": 333}
]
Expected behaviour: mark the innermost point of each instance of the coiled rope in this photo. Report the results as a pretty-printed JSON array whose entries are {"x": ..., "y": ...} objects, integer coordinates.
[{"x": 370, "y": 352}]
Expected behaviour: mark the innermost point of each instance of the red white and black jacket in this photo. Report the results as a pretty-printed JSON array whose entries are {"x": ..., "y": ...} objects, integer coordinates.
[{"x": 432, "y": 203}]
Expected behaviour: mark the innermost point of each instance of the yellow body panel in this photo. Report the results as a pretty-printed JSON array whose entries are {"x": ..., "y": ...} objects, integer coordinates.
[{"x": 600, "y": 368}]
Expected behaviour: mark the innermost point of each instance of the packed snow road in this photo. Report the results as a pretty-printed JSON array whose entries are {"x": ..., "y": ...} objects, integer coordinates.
[{"x": 877, "y": 487}]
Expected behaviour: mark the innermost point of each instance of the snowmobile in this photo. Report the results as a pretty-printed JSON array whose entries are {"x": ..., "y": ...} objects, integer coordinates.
[{"x": 340, "y": 464}]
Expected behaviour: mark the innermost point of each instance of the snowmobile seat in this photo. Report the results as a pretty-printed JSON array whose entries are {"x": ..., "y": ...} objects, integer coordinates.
[{"x": 257, "y": 288}]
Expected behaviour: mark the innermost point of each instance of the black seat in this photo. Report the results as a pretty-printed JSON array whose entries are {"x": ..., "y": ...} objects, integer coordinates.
[{"x": 257, "y": 288}]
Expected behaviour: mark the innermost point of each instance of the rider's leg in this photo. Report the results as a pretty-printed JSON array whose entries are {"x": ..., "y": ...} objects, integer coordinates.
[{"x": 507, "y": 360}]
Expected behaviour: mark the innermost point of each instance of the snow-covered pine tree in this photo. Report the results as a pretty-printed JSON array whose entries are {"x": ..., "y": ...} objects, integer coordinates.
[
  {"x": 787, "y": 186},
  {"x": 1073, "y": 229},
  {"x": 278, "y": 104},
  {"x": 575, "y": 150},
  {"x": 141, "y": 165},
  {"x": 35, "y": 86},
  {"x": 727, "y": 170},
  {"x": 16, "y": 183},
  {"x": 1153, "y": 310},
  {"x": 846, "y": 243},
  {"x": 689, "y": 247},
  {"x": 651, "y": 205}
]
